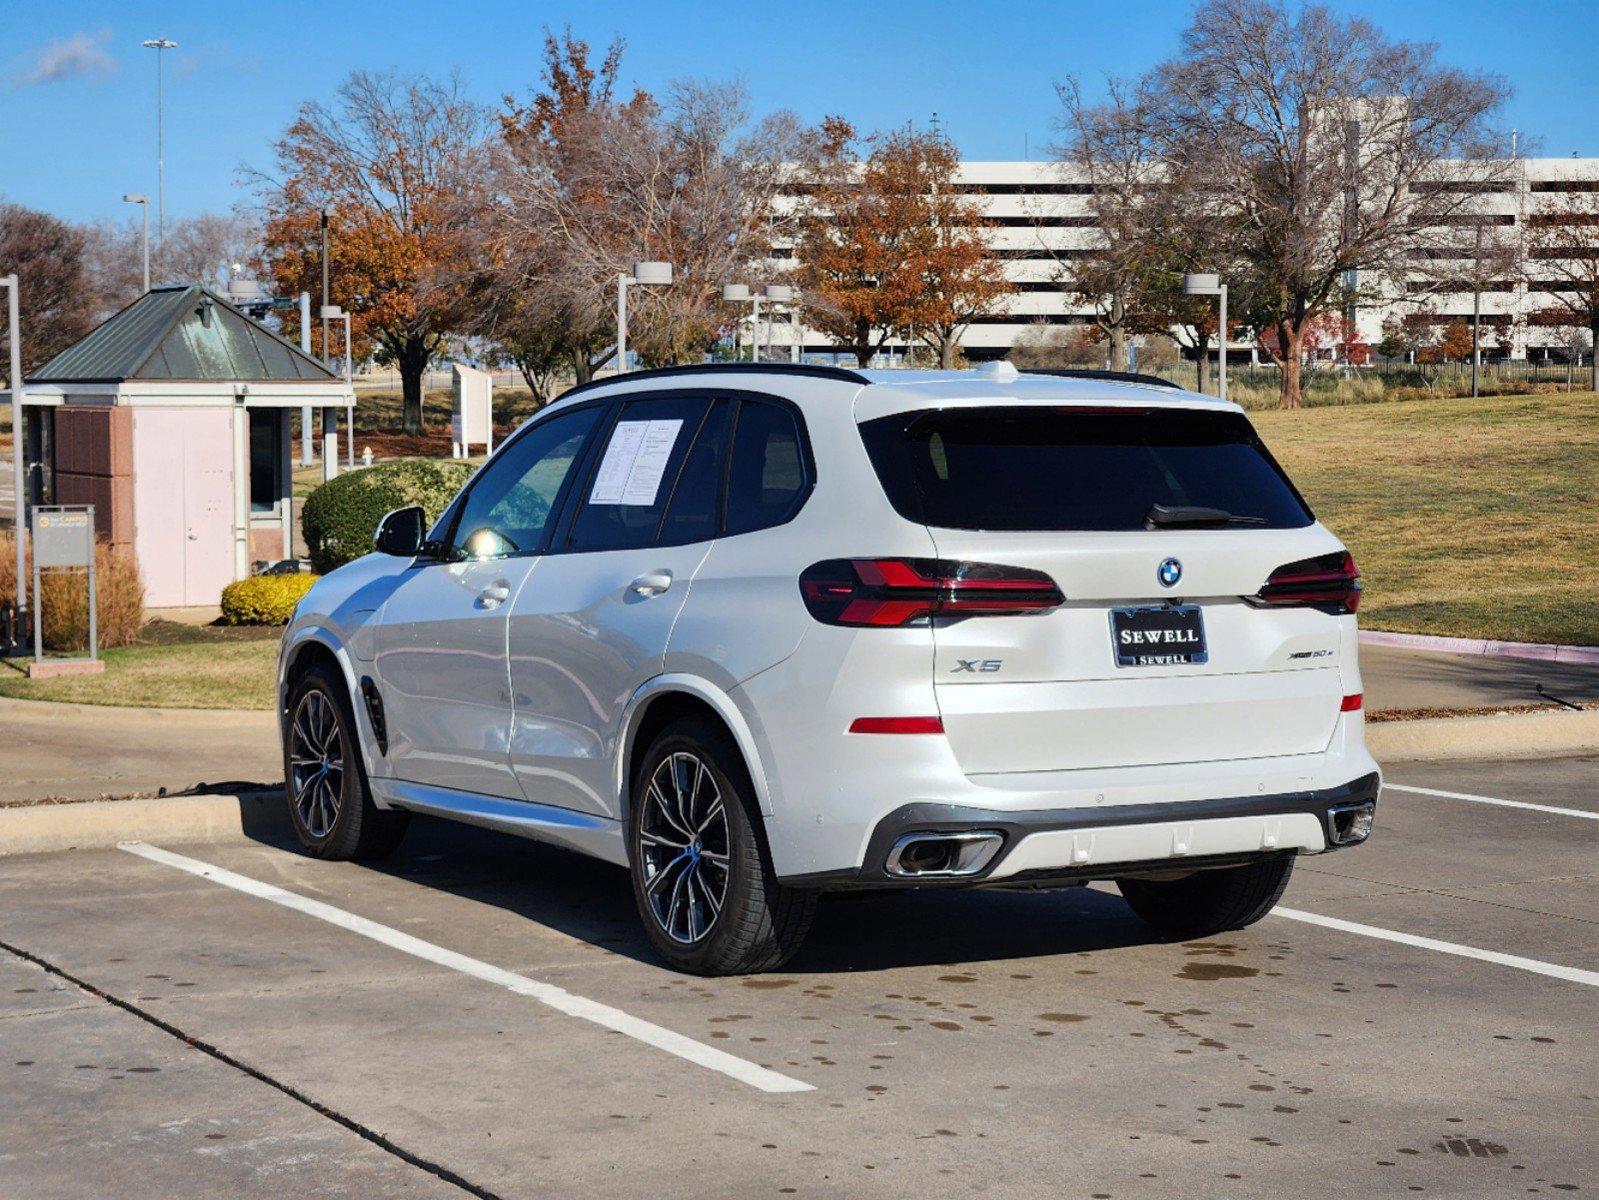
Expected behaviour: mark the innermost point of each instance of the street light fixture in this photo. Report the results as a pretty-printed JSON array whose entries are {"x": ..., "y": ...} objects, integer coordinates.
[
  {"x": 19, "y": 477},
  {"x": 160, "y": 45},
  {"x": 144, "y": 210},
  {"x": 782, "y": 293},
  {"x": 1210, "y": 284},
  {"x": 332, "y": 312},
  {"x": 645, "y": 274}
]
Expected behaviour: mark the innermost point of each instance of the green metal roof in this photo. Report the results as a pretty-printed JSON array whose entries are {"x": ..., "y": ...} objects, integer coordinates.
[{"x": 183, "y": 334}]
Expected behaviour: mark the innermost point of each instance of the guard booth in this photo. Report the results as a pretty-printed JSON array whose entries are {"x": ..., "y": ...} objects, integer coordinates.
[{"x": 173, "y": 420}]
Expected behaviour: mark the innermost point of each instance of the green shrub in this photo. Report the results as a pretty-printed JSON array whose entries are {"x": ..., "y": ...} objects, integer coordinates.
[
  {"x": 264, "y": 599},
  {"x": 341, "y": 515}
]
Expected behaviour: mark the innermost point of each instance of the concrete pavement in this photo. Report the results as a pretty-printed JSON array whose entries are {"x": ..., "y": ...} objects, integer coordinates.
[{"x": 986, "y": 1043}]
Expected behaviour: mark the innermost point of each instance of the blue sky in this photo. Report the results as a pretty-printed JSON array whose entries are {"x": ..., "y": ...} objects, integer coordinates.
[{"x": 77, "y": 92}]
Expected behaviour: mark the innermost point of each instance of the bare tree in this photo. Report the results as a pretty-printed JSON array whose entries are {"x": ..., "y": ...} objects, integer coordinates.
[
  {"x": 1110, "y": 147},
  {"x": 46, "y": 254},
  {"x": 1325, "y": 148},
  {"x": 198, "y": 249},
  {"x": 1563, "y": 257}
]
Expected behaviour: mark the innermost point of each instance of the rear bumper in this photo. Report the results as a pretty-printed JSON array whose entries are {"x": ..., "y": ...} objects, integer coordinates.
[{"x": 1077, "y": 844}]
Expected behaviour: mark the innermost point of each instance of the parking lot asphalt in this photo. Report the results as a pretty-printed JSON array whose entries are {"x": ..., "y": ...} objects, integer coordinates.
[{"x": 480, "y": 1016}]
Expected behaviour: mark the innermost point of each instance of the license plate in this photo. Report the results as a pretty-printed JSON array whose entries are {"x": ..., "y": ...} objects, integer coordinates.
[{"x": 1158, "y": 636}]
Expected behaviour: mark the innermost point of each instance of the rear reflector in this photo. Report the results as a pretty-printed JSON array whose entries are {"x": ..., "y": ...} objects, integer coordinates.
[
  {"x": 889, "y": 592},
  {"x": 1328, "y": 581},
  {"x": 1352, "y": 703},
  {"x": 896, "y": 725}
]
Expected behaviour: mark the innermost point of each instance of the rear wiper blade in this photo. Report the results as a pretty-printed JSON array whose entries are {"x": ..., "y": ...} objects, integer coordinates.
[{"x": 1167, "y": 516}]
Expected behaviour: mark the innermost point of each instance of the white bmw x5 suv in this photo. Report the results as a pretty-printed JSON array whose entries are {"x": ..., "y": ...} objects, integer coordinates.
[{"x": 756, "y": 633}]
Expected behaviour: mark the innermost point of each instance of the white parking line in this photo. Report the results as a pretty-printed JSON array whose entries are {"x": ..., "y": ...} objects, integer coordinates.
[
  {"x": 1544, "y": 808},
  {"x": 557, "y": 998},
  {"x": 1553, "y": 970}
]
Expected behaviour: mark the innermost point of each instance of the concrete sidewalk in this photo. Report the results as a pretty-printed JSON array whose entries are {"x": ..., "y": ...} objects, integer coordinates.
[{"x": 84, "y": 751}]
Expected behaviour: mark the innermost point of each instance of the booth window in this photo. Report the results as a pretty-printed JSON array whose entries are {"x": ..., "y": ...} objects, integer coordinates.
[{"x": 266, "y": 461}]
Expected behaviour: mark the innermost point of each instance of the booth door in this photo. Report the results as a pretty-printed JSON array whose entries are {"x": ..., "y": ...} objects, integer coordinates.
[{"x": 183, "y": 504}]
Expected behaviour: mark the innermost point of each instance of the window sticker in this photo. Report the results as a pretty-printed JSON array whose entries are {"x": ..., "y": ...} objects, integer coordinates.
[{"x": 635, "y": 462}]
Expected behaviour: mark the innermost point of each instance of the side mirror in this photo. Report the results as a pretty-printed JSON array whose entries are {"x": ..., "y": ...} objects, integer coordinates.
[{"x": 401, "y": 532}]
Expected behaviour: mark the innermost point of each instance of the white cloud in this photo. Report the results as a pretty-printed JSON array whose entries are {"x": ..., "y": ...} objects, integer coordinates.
[{"x": 77, "y": 57}]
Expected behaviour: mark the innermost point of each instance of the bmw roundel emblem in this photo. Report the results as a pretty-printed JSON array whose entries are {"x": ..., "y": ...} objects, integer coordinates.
[{"x": 1170, "y": 572}]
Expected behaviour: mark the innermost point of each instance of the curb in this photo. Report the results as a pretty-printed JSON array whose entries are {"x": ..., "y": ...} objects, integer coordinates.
[
  {"x": 1540, "y": 651},
  {"x": 1517, "y": 736},
  {"x": 101, "y": 824}
]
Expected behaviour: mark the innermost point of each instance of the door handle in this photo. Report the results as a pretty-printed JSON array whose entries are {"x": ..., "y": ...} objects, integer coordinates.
[
  {"x": 652, "y": 583},
  {"x": 494, "y": 595}
]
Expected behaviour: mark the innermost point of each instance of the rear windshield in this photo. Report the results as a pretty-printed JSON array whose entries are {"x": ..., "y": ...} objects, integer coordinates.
[{"x": 1012, "y": 468}]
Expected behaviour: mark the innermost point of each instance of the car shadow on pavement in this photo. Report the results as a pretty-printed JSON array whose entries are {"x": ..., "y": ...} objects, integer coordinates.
[{"x": 858, "y": 931}]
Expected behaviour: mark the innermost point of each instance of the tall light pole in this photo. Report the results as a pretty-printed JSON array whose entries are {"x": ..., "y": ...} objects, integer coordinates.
[
  {"x": 645, "y": 274},
  {"x": 160, "y": 45},
  {"x": 736, "y": 293},
  {"x": 782, "y": 293},
  {"x": 19, "y": 477},
  {"x": 1211, "y": 285},
  {"x": 144, "y": 211},
  {"x": 335, "y": 313}
]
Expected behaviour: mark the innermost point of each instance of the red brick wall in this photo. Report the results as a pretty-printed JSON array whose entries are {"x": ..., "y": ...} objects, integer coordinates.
[{"x": 94, "y": 465}]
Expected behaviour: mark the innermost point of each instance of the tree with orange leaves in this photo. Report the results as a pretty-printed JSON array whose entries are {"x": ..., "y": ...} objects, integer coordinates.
[{"x": 393, "y": 161}]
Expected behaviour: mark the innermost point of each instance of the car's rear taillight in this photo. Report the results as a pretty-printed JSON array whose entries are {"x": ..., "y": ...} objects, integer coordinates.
[
  {"x": 1327, "y": 581},
  {"x": 896, "y": 591}
]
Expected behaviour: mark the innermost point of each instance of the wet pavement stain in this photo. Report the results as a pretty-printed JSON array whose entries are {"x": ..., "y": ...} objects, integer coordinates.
[
  {"x": 1210, "y": 972},
  {"x": 766, "y": 985},
  {"x": 1063, "y": 1018},
  {"x": 948, "y": 1025},
  {"x": 1469, "y": 1147}
]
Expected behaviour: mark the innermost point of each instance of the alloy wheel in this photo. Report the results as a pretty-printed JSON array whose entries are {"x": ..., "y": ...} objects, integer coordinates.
[
  {"x": 683, "y": 847},
  {"x": 316, "y": 764}
]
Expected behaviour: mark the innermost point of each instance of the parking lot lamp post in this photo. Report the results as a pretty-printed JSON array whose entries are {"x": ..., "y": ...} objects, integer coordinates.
[
  {"x": 160, "y": 45},
  {"x": 782, "y": 293},
  {"x": 736, "y": 293},
  {"x": 19, "y": 476},
  {"x": 144, "y": 205},
  {"x": 645, "y": 274},
  {"x": 1211, "y": 285},
  {"x": 332, "y": 312}
]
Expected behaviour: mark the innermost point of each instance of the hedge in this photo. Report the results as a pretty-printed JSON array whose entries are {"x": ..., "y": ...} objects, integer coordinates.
[
  {"x": 342, "y": 514},
  {"x": 264, "y": 599},
  {"x": 64, "y": 598}
]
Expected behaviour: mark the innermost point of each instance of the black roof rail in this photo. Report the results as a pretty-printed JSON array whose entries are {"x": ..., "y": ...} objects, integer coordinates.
[
  {"x": 1109, "y": 376},
  {"x": 814, "y": 370}
]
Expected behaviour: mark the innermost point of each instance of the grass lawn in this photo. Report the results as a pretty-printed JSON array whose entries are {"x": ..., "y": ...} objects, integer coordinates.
[
  {"x": 1469, "y": 518},
  {"x": 172, "y": 666}
]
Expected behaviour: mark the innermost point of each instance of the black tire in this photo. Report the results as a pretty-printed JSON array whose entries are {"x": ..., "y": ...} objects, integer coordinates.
[
  {"x": 760, "y": 923},
  {"x": 1210, "y": 902},
  {"x": 358, "y": 830}
]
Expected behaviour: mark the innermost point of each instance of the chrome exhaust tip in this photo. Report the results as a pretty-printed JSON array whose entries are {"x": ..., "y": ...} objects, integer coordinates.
[
  {"x": 943, "y": 855},
  {"x": 1349, "y": 824}
]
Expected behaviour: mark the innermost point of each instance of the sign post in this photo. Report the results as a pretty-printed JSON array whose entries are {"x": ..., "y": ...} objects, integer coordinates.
[{"x": 63, "y": 537}]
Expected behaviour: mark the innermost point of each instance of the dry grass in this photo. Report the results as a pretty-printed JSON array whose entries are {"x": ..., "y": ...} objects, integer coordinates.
[
  {"x": 64, "y": 598},
  {"x": 1470, "y": 518}
]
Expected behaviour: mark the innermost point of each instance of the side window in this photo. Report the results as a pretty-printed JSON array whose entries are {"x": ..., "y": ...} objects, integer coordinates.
[
  {"x": 692, "y": 512},
  {"x": 625, "y": 496},
  {"x": 509, "y": 506},
  {"x": 766, "y": 477}
]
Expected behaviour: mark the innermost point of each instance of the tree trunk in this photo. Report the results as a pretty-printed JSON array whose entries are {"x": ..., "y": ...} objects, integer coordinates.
[
  {"x": 413, "y": 362},
  {"x": 1118, "y": 347},
  {"x": 946, "y": 349},
  {"x": 1292, "y": 340},
  {"x": 863, "y": 348},
  {"x": 1202, "y": 363},
  {"x": 1593, "y": 352}
]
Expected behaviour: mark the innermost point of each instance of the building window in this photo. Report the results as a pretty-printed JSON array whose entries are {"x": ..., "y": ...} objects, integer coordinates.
[{"x": 266, "y": 461}]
